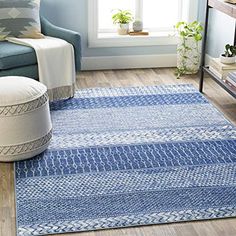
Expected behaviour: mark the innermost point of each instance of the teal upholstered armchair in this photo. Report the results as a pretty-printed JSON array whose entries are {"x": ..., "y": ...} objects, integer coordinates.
[{"x": 21, "y": 60}]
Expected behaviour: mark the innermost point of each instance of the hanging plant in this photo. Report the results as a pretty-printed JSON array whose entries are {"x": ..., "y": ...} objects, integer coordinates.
[{"x": 188, "y": 52}]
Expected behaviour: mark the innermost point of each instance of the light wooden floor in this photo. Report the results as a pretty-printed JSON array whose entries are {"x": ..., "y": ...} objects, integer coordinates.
[{"x": 120, "y": 78}]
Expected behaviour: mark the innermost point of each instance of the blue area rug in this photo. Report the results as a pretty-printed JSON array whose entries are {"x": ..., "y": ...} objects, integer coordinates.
[{"x": 126, "y": 157}]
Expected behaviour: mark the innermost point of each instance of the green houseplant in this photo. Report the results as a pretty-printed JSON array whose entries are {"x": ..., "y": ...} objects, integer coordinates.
[
  {"x": 122, "y": 18},
  {"x": 229, "y": 56},
  {"x": 188, "y": 53}
]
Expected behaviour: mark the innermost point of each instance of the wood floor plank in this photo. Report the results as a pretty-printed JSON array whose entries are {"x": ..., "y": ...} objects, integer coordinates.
[{"x": 138, "y": 77}]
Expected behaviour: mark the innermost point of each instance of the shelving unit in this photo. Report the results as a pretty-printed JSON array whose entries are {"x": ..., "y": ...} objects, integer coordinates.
[{"x": 230, "y": 10}]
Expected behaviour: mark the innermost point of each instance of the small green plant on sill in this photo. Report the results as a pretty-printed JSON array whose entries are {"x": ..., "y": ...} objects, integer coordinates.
[
  {"x": 186, "y": 31},
  {"x": 122, "y": 17},
  {"x": 230, "y": 51}
]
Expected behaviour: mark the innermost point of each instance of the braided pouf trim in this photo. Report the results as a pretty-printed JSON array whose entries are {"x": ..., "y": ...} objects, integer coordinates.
[
  {"x": 26, "y": 147},
  {"x": 22, "y": 108}
]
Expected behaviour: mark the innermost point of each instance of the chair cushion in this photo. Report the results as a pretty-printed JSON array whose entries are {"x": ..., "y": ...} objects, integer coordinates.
[
  {"x": 20, "y": 18},
  {"x": 14, "y": 55}
]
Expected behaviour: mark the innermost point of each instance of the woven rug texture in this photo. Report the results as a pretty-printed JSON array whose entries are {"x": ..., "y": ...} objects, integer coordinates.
[{"x": 125, "y": 157}]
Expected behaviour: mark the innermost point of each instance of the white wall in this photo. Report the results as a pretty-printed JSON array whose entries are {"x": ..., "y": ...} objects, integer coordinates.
[{"x": 73, "y": 14}]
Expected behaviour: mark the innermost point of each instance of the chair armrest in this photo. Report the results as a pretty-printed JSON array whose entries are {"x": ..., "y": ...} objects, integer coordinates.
[{"x": 71, "y": 37}]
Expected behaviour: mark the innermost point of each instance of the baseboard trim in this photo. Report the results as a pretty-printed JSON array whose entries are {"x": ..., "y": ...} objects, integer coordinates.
[{"x": 129, "y": 62}]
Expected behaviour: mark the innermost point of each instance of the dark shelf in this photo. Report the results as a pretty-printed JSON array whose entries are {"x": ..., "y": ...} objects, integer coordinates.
[
  {"x": 219, "y": 81},
  {"x": 227, "y": 8},
  {"x": 230, "y": 10}
]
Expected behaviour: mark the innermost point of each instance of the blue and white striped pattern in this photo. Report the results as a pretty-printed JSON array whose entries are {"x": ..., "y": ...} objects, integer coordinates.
[{"x": 126, "y": 157}]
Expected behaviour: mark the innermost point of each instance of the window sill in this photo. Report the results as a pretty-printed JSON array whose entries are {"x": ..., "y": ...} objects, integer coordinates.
[{"x": 115, "y": 40}]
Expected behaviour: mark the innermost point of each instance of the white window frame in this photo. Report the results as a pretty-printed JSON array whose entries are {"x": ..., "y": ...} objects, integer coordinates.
[{"x": 96, "y": 39}]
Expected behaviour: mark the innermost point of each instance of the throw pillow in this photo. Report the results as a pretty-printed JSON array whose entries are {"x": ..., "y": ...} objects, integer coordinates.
[{"x": 20, "y": 18}]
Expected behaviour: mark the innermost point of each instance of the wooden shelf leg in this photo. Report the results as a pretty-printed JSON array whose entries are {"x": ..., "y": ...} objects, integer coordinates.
[{"x": 204, "y": 49}]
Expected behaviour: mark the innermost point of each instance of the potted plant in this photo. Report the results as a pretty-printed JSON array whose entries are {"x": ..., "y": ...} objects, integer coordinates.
[
  {"x": 229, "y": 56},
  {"x": 137, "y": 26},
  {"x": 188, "y": 48},
  {"x": 122, "y": 18}
]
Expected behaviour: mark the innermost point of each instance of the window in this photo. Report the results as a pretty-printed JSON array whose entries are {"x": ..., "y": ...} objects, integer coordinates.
[
  {"x": 158, "y": 16},
  {"x": 106, "y": 9}
]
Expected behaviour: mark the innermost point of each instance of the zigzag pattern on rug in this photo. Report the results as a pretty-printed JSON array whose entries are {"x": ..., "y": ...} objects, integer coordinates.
[{"x": 124, "y": 157}]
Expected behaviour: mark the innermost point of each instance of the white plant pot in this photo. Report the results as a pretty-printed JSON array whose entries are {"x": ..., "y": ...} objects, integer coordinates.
[
  {"x": 227, "y": 60},
  {"x": 188, "y": 55},
  {"x": 123, "y": 29}
]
